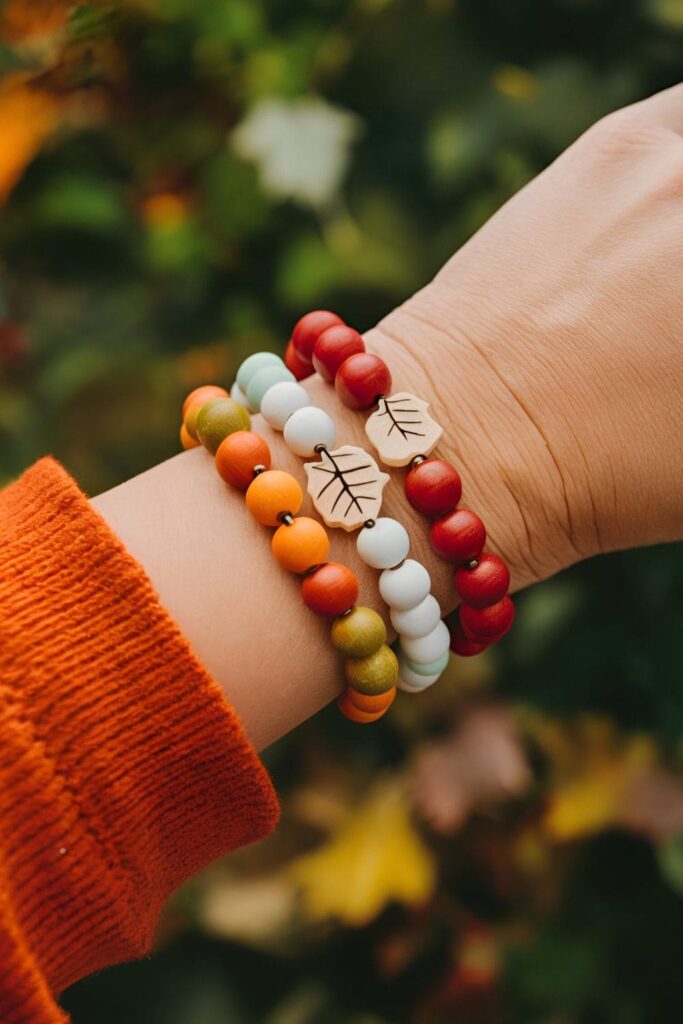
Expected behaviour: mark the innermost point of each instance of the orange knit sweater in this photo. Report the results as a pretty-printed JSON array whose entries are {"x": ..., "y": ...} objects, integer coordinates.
[{"x": 123, "y": 770}]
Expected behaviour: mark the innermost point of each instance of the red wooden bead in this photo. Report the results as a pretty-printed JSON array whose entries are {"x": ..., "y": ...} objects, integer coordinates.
[
  {"x": 461, "y": 645},
  {"x": 433, "y": 487},
  {"x": 308, "y": 328},
  {"x": 485, "y": 584},
  {"x": 295, "y": 364},
  {"x": 333, "y": 347},
  {"x": 487, "y": 624},
  {"x": 458, "y": 536},
  {"x": 331, "y": 590},
  {"x": 362, "y": 379}
]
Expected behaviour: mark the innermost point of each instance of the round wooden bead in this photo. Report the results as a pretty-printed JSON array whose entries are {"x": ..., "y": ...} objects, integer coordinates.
[
  {"x": 376, "y": 673},
  {"x": 359, "y": 633},
  {"x": 202, "y": 395},
  {"x": 484, "y": 584},
  {"x": 331, "y": 590},
  {"x": 412, "y": 682},
  {"x": 333, "y": 347},
  {"x": 186, "y": 440},
  {"x": 405, "y": 587},
  {"x": 265, "y": 379},
  {"x": 280, "y": 401},
  {"x": 239, "y": 396},
  {"x": 433, "y": 487},
  {"x": 371, "y": 702},
  {"x": 219, "y": 418},
  {"x": 362, "y": 379},
  {"x": 307, "y": 428},
  {"x": 237, "y": 456},
  {"x": 309, "y": 328},
  {"x": 301, "y": 545},
  {"x": 384, "y": 544},
  {"x": 425, "y": 649},
  {"x": 482, "y": 624},
  {"x": 252, "y": 365},
  {"x": 192, "y": 411},
  {"x": 417, "y": 621},
  {"x": 271, "y": 494},
  {"x": 461, "y": 645},
  {"x": 458, "y": 536},
  {"x": 293, "y": 361},
  {"x": 429, "y": 668},
  {"x": 354, "y": 713}
]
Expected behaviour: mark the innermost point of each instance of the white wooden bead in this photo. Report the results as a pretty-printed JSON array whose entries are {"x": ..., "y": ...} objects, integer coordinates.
[
  {"x": 427, "y": 648},
  {"x": 306, "y": 428},
  {"x": 239, "y": 396},
  {"x": 383, "y": 545},
  {"x": 410, "y": 681},
  {"x": 280, "y": 401},
  {"x": 406, "y": 586},
  {"x": 418, "y": 621}
]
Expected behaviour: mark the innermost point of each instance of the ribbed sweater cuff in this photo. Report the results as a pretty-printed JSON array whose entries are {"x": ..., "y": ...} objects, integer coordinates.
[{"x": 123, "y": 769}]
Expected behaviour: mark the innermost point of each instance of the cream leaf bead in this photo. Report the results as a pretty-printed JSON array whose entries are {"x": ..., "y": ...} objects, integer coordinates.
[
  {"x": 383, "y": 545},
  {"x": 281, "y": 400},
  {"x": 406, "y": 586},
  {"x": 307, "y": 428},
  {"x": 427, "y": 648},
  {"x": 418, "y": 621}
]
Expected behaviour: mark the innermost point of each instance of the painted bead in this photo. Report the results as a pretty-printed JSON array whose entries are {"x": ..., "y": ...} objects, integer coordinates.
[
  {"x": 333, "y": 347},
  {"x": 203, "y": 394},
  {"x": 359, "y": 633},
  {"x": 429, "y": 668},
  {"x": 375, "y": 674},
  {"x": 307, "y": 428},
  {"x": 293, "y": 361},
  {"x": 309, "y": 328},
  {"x": 412, "y": 682},
  {"x": 417, "y": 621},
  {"x": 484, "y": 584},
  {"x": 383, "y": 545},
  {"x": 331, "y": 590},
  {"x": 265, "y": 379},
  {"x": 354, "y": 713},
  {"x": 186, "y": 440},
  {"x": 362, "y": 379},
  {"x": 461, "y": 645},
  {"x": 371, "y": 702},
  {"x": 433, "y": 488},
  {"x": 219, "y": 418},
  {"x": 252, "y": 365},
  {"x": 480, "y": 624},
  {"x": 406, "y": 586},
  {"x": 239, "y": 396},
  {"x": 237, "y": 456},
  {"x": 458, "y": 536},
  {"x": 271, "y": 494},
  {"x": 301, "y": 545},
  {"x": 346, "y": 486},
  {"x": 425, "y": 649},
  {"x": 280, "y": 401}
]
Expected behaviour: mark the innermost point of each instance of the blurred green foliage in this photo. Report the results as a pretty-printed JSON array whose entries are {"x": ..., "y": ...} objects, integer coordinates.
[{"x": 182, "y": 178}]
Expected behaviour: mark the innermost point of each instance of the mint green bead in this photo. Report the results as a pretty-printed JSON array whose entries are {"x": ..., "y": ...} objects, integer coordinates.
[
  {"x": 264, "y": 379},
  {"x": 252, "y": 365},
  {"x": 431, "y": 668}
]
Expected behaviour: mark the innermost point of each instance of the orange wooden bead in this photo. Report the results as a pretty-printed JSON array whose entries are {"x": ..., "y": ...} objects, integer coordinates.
[
  {"x": 271, "y": 494},
  {"x": 370, "y": 703},
  {"x": 237, "y": 455},
  {"x": 186, "y": 441},
  {"x": 353, "y": 713},
  {"x": 203, "y": 394},
  {"x": 300, "y": 545}
]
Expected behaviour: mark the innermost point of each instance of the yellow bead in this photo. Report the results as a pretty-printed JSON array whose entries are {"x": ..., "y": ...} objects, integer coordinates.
[
  {"x": 375, "y": 674},
  {"x": 301, "y": 545},
  {"x": 186, "y": 440},
  {"x": 359, "y": 633},
  {"x": 271, "y": 494}
]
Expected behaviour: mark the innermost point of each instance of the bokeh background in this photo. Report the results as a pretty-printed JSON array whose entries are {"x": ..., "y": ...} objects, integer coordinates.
[{"x": 180, "y": 180}]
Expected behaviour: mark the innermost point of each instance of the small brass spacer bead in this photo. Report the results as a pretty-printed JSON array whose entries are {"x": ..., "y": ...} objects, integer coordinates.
[
  {"x": 368, "y": 524},
  {"x": 417, "y": 461},
  {"x": 257, "y": 470},
  {"x": 472, "y": 564},
  {"x": 286, "y": 518},
  {"x": 320, "y": 448}
]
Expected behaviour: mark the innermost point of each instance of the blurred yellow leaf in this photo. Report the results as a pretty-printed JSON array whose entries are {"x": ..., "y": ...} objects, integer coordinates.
[
  {"x": 376, "y": 857},
  {"x": 515, "y": 83},
  {"x": 27, "y": 116}
]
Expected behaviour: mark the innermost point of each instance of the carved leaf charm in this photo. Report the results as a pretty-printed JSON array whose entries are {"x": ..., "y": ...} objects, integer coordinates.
[
  {"x": 401, "y": 428},
  {"x": 346, "y": 486}
]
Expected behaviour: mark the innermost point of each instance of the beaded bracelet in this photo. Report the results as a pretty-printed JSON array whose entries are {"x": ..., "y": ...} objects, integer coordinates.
[
  {"x": 404, "y": 434},
  {"x": 300, "y": 544},
  {"x": 346, "y": 488}
]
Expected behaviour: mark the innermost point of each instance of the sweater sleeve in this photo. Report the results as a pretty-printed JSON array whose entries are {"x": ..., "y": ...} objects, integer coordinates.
[{"x": 123, "y": 770}]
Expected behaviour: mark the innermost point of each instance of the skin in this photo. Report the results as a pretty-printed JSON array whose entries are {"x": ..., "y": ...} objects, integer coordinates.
[{"x": 550, "y": 348}]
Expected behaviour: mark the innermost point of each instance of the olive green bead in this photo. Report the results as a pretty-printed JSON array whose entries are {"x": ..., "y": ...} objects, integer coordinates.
[
  {"x": 375, "y": 674},
  {"x": 217, "y": 419},
  {"x": 358, "y": 633}
]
